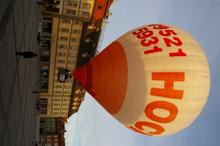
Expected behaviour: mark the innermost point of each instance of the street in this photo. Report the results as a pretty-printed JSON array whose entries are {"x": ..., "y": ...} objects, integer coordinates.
[{"x": 19, "y": 76}]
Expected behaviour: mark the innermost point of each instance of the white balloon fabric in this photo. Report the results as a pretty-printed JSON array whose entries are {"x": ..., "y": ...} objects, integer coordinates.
[{"x": 154, "y": 79}]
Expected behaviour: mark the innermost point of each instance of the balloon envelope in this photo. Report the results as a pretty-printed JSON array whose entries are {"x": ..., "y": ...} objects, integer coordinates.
[{"x": 154, "y": 79}]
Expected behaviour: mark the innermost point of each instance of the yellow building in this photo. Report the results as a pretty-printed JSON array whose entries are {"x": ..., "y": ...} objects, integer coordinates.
[
  {"x": 60, "y": 44},
  {"x": 52, "y": 132},
  {"x": 63, "y": 24},
  {"x": 80, "y": 9},
  {"x": 61, "y": 32}
]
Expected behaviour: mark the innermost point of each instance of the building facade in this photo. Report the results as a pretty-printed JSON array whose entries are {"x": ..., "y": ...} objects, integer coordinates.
[
  {"x": 69, "y": 38},
  {"x": 52, "y": 132},
  {"x": 68, "y": 41},
  {"x": 61, "y": 32},
  {"x": 88, "y": 47},
  {"x": 60, "y": 45},
  {"x": 72, "y": 9}
]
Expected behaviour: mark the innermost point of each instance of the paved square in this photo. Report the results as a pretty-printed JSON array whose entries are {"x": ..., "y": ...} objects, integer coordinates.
[{"x": 18, "y": 76}]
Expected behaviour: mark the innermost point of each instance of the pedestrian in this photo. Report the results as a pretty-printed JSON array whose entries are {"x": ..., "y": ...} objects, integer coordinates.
[{"x": 26, "y": 54}]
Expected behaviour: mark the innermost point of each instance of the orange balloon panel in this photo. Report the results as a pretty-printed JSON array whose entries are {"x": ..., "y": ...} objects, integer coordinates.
[{"x": 154, "y": 79}]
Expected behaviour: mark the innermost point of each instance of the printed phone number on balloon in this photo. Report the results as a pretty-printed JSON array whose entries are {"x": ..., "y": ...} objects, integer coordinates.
[{"x": 148, "y": 40}]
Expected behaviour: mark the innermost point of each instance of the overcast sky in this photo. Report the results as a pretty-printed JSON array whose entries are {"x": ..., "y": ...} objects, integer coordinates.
[{"x": 92, "y": 126}]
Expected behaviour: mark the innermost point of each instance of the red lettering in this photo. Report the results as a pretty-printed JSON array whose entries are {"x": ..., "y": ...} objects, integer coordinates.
[
  {"x": 137, "y": 32},
  {"x": 161, "y": 105},
  {"x": 147, "y": 39},
  {"x": 179, "y": 53},
  {"x": 167, "y": 32},
  {"x": 138, "y": 127},
  {"x": 176, "y": 41},
  {"x": 159, "y": 26},
  {"x": 168, "y": 78},
  {"x": 145, "y": 34},
  {"x": 152, "y": 41},
  {"x": 154, "y": 50},
  {"x": 167, "y": 91}
]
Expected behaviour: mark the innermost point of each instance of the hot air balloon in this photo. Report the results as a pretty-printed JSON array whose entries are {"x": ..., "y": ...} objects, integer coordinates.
[{"x": 154, "y": 79}]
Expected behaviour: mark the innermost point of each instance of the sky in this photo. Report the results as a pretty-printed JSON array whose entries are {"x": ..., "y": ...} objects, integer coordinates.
[{"x": 93, "y": 126}]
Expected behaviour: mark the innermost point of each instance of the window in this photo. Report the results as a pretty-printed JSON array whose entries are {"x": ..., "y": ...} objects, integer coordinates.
[
  {"x": 70, "y": 54},
  {"x": 70, "y": 66},
  {"x": 55, "y": 137},
  {"x": 55, "y": 2},
  {"x": 74, "y": 47},
  {"x": 65, "y": 108},
  {"x": 44, "y": 73},
  {"x": 63, "y": 113},
  {"x": 47, "y": 27},
  {"x": 71, "y": 3},
  {"x": 62, "y": 54},
  {"x": 45, "y": 58},
  {"x": 87, "y": 40},
  {"x": 66, "y": 30},
  {"x": 47, "y": 18},
  {"x": 76, "y": 31},
  {"x": 58, "y": 86},
  {"x": 71, "y": 61},
  {"x": 86, "y": 5},
  {"x": 75, "y": 3},
  {"x": 68, "y": 86},
  {"x": 56, "y": 109},
  {"x": 56, "y": 104},
  {"x": 76, "y": 99},
  {"x": 85, "y": 14},
  {"x": 45, "y": 52},
  {"x": 77, "y": 23},
  {"x": 73, "y": 51},
  {"x": 44, "y": 67},
  {"x": 52, "y": 9},
  {"x": 58, "y": 92},
  {"x": 77, "y": 91},
  {"x": 46, "y": 43},
  {"x": 61, "y": 46},
  {"x": 56, "y": 113},
  {"x": 76, "y": 103},
  {"x": 56, "y": 99},
  {"x": 75, "y": 39},
  {"x": 44, "y": 85},
  {"x": 67, "y": 92},
  {"x": 75, "y": 108},
  {"x": 60, "y": 61},
  {"x": 67, "y": 21},
  {"x": 65, "y": 99},
  {"x": 68, "y": 4},
  {"x": 63, "y": 38},
  {"x": 64, "y": 104},
  {"x": 71, "y": 12}
]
